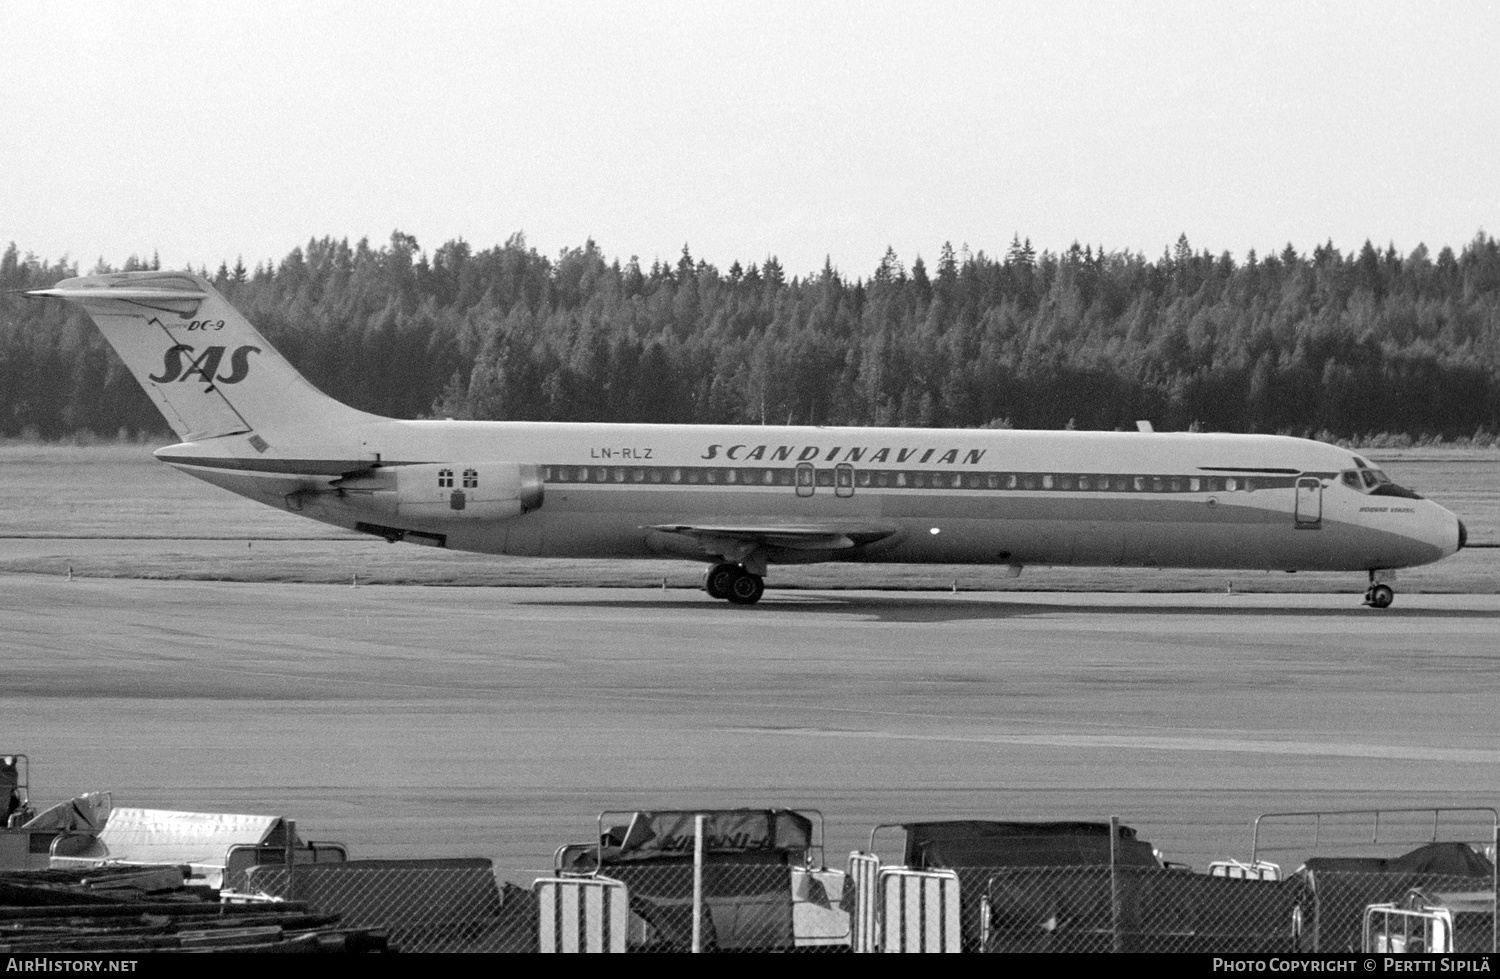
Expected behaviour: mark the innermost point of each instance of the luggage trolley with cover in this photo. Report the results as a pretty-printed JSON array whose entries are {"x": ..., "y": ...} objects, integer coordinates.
[
  {"x": 764, "y": 885},
  {"x": 977, "y": 885},
  {"x": 1353, "y": 902},
  {"x": 955, "y": 889}
]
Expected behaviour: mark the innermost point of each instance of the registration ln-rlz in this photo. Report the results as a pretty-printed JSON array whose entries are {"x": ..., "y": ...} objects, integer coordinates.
[{"x": 742, "y": 498}]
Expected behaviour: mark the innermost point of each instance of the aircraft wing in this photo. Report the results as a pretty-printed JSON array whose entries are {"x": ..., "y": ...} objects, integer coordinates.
[{"x": 796, "y": 537}]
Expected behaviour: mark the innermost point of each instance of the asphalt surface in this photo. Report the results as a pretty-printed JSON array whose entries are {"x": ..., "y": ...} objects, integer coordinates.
[{"x": 419, "y": 721}]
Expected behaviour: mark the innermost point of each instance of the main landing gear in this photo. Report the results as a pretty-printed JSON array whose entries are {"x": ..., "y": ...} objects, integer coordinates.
[
  {"x": 732, "y": 582},
  {"x": 1379, "y": 594}
]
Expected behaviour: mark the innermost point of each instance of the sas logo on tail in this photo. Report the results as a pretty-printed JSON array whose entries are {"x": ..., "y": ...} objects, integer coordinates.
[{"x": 180, "y": 364}]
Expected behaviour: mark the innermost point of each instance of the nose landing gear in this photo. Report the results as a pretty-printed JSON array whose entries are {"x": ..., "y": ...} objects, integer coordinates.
[
  {"x": 734, "y": 583},
  {"x": 1379, "y": 594}
]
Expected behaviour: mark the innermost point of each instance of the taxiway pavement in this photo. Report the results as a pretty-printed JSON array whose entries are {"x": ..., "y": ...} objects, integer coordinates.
[{"x": 421, "y": 721}]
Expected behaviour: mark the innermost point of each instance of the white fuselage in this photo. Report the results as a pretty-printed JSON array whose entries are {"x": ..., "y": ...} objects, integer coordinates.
[{"x": 905, "y": 495}]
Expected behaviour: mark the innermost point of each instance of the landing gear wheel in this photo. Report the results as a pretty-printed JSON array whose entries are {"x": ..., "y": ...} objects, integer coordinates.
[
  {"x": 1380, "y": 596},
  {"x": 718, "y": 579},
  {"x": 747, "y": 588}
]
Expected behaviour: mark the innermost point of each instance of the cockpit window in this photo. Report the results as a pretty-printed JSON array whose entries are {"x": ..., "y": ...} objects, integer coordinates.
[{"x": 1369, "y": 480}]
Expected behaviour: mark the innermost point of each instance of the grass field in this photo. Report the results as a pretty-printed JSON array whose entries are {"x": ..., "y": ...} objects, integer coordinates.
[{"x": 113, "y": 511}]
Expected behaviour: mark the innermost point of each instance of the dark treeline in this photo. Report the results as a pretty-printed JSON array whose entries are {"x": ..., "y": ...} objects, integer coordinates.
[{"x": 1320, "y": 343}]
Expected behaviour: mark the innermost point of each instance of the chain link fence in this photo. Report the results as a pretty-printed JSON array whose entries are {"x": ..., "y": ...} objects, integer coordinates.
[
  {"x": 424, "y": 905},
  {"x": 758, "y": 905}
]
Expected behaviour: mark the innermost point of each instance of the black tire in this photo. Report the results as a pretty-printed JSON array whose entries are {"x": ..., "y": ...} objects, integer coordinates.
[
  {"x": 1381, "y": 596},
  {"x": 747, "y": 588},
  {"x": 719, "y": 580}
]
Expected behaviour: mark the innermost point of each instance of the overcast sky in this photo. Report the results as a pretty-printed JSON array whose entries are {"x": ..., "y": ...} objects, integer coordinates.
[{"x": 206, "y": 131}]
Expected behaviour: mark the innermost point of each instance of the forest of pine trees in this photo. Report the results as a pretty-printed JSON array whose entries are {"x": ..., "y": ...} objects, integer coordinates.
[{"x": 1310, "y": 344}]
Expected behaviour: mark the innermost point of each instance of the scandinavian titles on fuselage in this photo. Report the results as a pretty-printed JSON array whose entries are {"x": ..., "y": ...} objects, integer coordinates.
[{"x": 838, "y": 453}]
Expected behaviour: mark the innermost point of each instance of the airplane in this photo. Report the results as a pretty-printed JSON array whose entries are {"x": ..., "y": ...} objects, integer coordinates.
[{"x": 742, "y": 498}]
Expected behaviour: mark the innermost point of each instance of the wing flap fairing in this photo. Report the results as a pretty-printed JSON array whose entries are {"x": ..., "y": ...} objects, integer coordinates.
[{"x": 796, "y": 537}]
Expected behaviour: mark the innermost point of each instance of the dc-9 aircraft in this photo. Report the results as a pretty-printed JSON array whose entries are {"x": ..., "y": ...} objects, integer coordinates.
[{"x": 742, "y": 498}]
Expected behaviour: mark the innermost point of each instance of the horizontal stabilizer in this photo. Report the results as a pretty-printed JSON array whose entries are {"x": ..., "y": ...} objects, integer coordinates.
[
  {"x": 126, "y": 294},
  {"x": 209, "y": 372}
]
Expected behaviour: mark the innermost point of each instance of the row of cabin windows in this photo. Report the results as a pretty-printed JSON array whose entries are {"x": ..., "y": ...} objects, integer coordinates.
[
  {"x": 470, "y": 478},
  {"x": 906, "y": 479}
]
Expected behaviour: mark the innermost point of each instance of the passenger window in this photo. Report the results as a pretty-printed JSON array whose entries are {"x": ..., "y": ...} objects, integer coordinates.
[
  {"x": 1010, "y": 481},
  {"x": 1249, "y": 486},
  {"x": 1157, "y": 484},
  {"x": 882, "y": 478},
  {"x": 1231, "y": 484},
  {"x": 676, "y": 475},
  {"x": 993, "y": 481},
  {"x": 638, "y": 475},
  {"x": 1047, "y": 481},
  {"x": 1085, "y": 483},
  {"x": 1194, "y": 484},
  {"x": 864, "y": 477},
  {"x": 1140, "y": 484}
]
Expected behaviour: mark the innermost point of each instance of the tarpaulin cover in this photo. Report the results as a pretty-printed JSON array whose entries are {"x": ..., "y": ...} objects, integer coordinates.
[
  {"x": 162, "y": 836},
  {"x": 985, "y": 843},
  {"x": 1071, "y": 910},
  {"x": 1344, "y": 886},
  {"x": 1454, "y": 859},
  {"x": 671, "y": 833},
  {"x": 1334, "y": 916}
]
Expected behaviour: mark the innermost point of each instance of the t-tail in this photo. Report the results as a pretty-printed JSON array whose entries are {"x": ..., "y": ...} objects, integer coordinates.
[{"x": 210, "y": 373}]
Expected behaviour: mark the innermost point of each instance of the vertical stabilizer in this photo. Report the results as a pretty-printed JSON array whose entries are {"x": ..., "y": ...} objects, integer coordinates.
[{"x": 208, "y": 370}]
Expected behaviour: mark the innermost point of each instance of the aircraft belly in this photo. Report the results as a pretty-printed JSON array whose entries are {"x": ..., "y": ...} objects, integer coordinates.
[
  {"x": 972, "y": 529},
  {"x": 1097, "y": 543},
  {"x": 526, "y": 535}
]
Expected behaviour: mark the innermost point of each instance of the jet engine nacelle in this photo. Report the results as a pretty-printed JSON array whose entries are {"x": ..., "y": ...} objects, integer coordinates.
[{"x": 451, "y": 491}]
